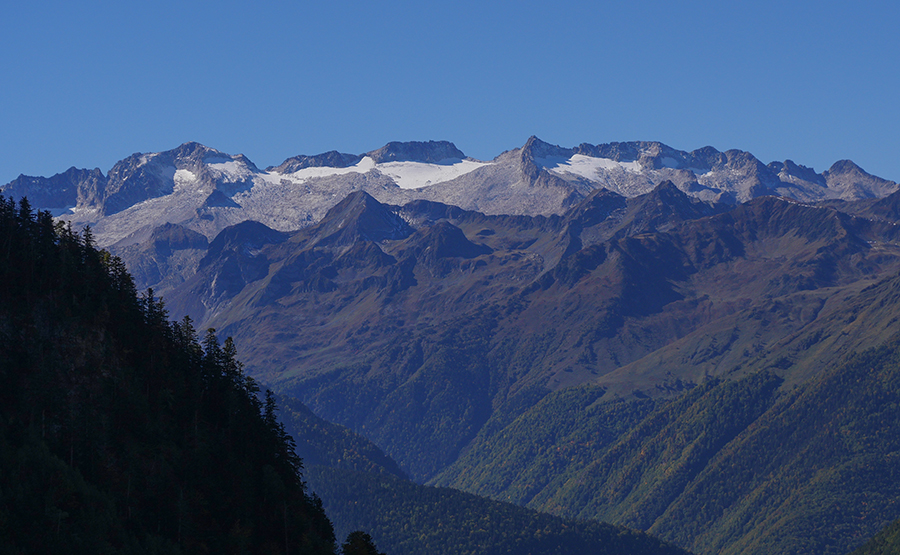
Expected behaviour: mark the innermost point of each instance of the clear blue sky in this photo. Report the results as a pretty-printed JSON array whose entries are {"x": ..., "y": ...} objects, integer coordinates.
[{"x": 88, "y": 83}]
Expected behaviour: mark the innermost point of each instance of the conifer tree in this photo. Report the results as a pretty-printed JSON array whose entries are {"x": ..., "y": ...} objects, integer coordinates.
[{"x": 359, "y": 543}]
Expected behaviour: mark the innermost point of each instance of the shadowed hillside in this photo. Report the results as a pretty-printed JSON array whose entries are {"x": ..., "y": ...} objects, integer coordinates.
[{"x": 121, "y": 432}]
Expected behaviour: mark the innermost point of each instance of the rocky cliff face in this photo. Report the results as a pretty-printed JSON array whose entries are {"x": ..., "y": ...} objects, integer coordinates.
[
  {"x": 431, "y": 152},
  {"x": 61, "y": 192}
]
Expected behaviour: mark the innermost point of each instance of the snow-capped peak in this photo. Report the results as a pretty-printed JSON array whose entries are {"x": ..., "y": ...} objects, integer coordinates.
[{"x": 407, "y": 175}]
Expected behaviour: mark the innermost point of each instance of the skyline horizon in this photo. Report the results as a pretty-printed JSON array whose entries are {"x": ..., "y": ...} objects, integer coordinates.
[
  {"x": 89, "y": 84},
  {"x": 263, "y": 167}
]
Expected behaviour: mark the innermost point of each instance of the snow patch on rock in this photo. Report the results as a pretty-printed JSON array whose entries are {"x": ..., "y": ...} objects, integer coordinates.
[
  {"x": 414, "y": 175},
  {"x": 363, "y": 166},
  {"x": 230, "y": 170},
  {"x": 587, "y": 167}
]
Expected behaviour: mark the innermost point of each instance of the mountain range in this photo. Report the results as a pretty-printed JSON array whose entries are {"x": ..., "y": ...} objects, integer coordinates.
[
  {"x": 693, "y": 344},
  {"x": 206, "y": 190}
]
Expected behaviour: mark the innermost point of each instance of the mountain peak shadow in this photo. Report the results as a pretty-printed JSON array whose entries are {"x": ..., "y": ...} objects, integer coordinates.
[
  {"x": 445, "y": 240},
  {"x": 359, "y": 217},
  {"x": 239, "y": 238},
  {"x": 596, "y": 207},
  {"x": 663, "y": 208}
]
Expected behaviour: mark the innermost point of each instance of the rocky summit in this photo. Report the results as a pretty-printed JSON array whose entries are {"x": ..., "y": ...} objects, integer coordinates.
[{"x": 205, "y": 190}]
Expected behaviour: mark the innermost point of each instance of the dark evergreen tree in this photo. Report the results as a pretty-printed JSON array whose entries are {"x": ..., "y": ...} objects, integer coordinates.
[
  {"x": 359, "y": 543},
  {"x": 121, "y": 432}
]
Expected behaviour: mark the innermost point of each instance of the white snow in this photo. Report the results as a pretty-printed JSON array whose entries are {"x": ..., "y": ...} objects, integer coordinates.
[
  {"x": 407, "y": 175},
  {"x": 62, "y": 211},
  {"x": 413, "y": 175},
  {"x": 183, "y": 180},
  {"x": 229, "y": 169},
  {"x": 362, "y": 166},
  {"x": 147, "y": 157},
  {"x": 217, "y": 160},
  {"x": 184, "y": 176},
  {"x": 585, "y": 166},
  {"x": 271, "y": 177}
]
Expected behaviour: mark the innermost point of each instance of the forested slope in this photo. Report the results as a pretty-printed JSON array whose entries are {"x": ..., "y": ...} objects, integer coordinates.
[
  {"x": 121, "y": 432},
  {"x": 730, "y": 467},
  {"x": 886, "y": 542},
  {"x": 362, "y": 488},
  {"x": 407, "y": 518}
]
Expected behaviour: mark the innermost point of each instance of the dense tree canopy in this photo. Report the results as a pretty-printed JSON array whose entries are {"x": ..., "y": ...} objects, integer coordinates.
[{"x": 122, "y": 432}]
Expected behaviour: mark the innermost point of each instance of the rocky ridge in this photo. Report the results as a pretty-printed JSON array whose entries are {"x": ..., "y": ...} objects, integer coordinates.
[{"x": 206, "y": 190}]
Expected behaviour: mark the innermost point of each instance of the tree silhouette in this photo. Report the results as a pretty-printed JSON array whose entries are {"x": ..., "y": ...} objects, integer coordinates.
[{"x": 359, "y": 543}]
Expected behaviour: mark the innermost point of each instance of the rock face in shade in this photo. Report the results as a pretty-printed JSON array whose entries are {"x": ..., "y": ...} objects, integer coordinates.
[
  {"x": 330, "y": 159},
  {"x": 431, "y": 152},
  {"x": 60, "y": 192},
  {"x": 359, "y": 217}
]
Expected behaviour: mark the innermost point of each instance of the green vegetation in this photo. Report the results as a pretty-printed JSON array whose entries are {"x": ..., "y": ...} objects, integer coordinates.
[
  {"x": 321, "y": 443},
  {"x": 405, "y": 518},
  {"x": 638, "y": 476},
  {"x": 363, "y": 489},
  {"x": 359, "y": 543},
  {"x": 886, "y": 542},
  {"x": 731, "y": 466},
  {"x": 564, "y": 431},
  {"x": 816, "y": 473},
  {"x": 121, "y": 432}
]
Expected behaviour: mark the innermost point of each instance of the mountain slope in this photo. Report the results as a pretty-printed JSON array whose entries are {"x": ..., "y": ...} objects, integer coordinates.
[
  {"x": 729, "y": 467},
  {"x": 407, "y": 519},
  {"x": 118, "y": 430},
  {"x": 442, "y": 343},
  {"x": 363, "y": 489},
  {"x": 885, "y": 542},
  {"x": 423, "y": 302},
  {"x": 611, "y": 353}
]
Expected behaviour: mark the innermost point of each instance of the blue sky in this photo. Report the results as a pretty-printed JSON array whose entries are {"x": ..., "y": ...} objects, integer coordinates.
[{"x": 88, "y": 83}]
